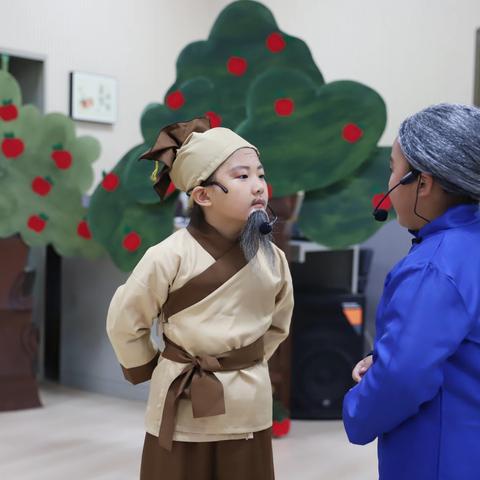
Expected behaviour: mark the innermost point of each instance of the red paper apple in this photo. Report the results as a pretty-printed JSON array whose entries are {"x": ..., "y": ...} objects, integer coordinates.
[
  {"x": 352, "y": 133},
  {"x": 275, "y": 42},
  {"x": 41, "y": 186},
  {"x": 83, "y": 230},
  {"x": 12, "y": 147},
  {"x": 386, "y": 205},
  {"x": 171, "y": 188},
  {"x": 131, "y": 241},
  {"x": 110, "y": 182},
  {"x": 175, "y": 100},
  {"x": 284, "y": 107},
  {"x": 215, "y": 120},
  {"x": 37, "y": 222},
  {"x": 281, "y": 428},
  {"x": 8, "y": 111},
  {"x": 237, "y": 66},
  {"x": 269, "y": 190},
  {"x": 62, "y": 158}
]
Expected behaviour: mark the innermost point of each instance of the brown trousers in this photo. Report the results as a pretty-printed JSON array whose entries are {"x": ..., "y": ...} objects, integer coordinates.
[{"x": 225, "y": 460}]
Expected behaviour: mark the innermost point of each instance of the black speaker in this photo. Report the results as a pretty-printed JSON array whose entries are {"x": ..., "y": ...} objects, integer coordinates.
[
  {"x": 325, "y": 348},
  {"x": 327, "y": 342}
]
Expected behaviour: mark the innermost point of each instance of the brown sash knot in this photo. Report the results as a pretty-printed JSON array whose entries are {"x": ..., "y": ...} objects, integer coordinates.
[{"x": 198, "y": 382}]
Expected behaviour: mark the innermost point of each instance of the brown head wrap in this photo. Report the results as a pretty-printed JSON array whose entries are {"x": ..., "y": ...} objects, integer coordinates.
[
  {"x": 190, "y": 152},
  {"x": 169, "y": 140}
]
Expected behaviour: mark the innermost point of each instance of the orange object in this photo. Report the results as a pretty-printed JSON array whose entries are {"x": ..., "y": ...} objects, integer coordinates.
[{"x": 354, "y": 313}]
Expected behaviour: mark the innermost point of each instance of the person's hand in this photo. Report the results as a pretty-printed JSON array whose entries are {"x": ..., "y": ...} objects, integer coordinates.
[{"x": 361, "y": 368}]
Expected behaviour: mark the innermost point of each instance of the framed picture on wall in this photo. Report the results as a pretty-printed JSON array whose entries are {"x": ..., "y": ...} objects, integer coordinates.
[{"x": 93, "y": 98}]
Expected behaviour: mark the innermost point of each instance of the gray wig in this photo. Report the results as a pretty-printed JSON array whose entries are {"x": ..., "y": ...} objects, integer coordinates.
[{"x": 444, "y": 140}]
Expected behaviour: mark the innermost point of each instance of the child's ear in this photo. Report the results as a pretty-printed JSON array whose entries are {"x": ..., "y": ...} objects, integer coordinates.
[
  {"x": 201, "y": 197},
  {"x": 426, "y": 184}
]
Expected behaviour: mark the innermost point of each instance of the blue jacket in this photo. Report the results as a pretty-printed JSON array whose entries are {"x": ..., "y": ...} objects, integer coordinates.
[{"x": 421, "y": 397}]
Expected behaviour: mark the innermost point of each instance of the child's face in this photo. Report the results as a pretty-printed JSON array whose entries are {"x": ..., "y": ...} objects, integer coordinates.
[
  {"x": 403, "y": 197},
  {"x": 243, "y": 175}
]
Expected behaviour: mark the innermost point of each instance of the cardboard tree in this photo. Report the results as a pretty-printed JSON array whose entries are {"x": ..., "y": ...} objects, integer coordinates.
[
  {"x": 124, "y": 212},
  {"x": 44, "y": 170},
  {"x": 263, "y": 83}
]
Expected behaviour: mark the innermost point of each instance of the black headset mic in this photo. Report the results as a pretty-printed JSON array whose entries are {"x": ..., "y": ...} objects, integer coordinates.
[
  {"x": 381, "y": 214},
  {"x": 267, "y": 227}
]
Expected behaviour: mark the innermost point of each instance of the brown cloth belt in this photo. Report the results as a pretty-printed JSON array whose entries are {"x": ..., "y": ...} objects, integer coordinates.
[{"x": 198, "y": 382}]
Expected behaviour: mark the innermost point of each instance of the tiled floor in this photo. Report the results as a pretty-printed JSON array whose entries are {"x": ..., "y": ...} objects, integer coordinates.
[{"x": 85, "y": 436}]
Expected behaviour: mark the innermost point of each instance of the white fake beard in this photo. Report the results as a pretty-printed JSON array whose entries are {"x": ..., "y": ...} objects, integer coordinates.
[{"x": 251, "y": 240}]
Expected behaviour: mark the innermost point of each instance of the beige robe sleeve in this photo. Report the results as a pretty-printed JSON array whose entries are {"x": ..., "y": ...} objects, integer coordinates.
[
  {"x": 134, "y": 308},
  {"x": 282, "y": 314}
]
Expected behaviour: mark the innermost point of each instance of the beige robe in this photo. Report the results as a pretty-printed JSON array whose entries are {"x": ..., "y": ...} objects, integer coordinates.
[{"x": 257, "y": 300}]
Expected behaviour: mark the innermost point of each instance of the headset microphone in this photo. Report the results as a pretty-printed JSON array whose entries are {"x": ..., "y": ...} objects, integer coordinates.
[
  {"x": 381, "y": 214},
  {"x": 267, "y": 227}
]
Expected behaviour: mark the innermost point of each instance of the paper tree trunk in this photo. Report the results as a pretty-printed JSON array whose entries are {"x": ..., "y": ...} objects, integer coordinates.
[{"x": 18, "y": 336}]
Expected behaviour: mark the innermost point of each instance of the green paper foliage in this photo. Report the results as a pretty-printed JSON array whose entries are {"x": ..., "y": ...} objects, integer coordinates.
[
  {"x": 341, "y": 215},
  {"x": 114, "y": 214},
  {"x": 10, "y": 90},
  {"x": 279, "y": 411},
  {"x": 313, "y": 146},
  {"x": 44, "y": 170},
  {"x": 136, "y": 176}
]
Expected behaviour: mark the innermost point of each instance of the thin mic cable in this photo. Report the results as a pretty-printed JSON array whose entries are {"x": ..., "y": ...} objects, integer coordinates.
[{"x": 416, "y": 202}]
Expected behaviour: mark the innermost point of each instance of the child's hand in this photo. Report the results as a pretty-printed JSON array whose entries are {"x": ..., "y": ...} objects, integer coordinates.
[{"x": 361, "y": 368}]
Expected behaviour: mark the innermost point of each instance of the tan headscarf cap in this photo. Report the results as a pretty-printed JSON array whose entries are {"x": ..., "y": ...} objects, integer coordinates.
[{"x": 191, "y": 152}]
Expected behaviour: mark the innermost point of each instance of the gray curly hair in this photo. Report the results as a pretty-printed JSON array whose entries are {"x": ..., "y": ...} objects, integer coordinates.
[{"x": 444, "y": 140}]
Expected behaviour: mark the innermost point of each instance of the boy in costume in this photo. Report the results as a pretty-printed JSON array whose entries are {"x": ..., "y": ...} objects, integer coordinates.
[
  {"x": 223, "y": 295},
  {"x": 420, "y": 392}
]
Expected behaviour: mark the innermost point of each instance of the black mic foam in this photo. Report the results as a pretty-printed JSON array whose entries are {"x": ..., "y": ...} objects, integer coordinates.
[
  {"x": 265, "y": 228},
  {"x": 380, "y": 215}
]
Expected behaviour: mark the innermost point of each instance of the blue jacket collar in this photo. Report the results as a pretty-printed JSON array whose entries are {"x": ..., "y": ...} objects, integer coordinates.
[{"x": 456, "y": 216}]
